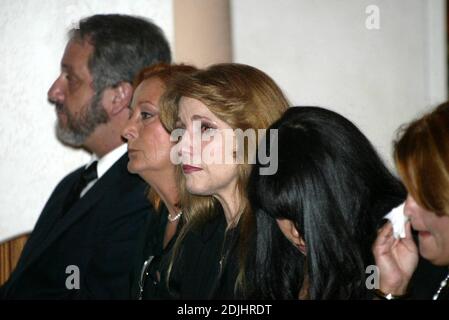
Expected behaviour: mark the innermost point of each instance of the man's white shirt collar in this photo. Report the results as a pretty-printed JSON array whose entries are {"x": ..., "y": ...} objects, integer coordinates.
[{"x": 104, "y": 164}]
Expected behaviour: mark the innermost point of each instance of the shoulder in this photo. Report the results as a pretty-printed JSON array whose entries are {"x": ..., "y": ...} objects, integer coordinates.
[
  {"x": 70, "y": 177},
  {"x": 66, "y": 183}
]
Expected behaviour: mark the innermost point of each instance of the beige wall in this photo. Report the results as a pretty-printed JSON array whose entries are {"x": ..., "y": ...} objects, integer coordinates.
[
  {"x": 202, "y": 32},
  {"x": 32, "y": 41},
  {"x": 322, "y": 53}
]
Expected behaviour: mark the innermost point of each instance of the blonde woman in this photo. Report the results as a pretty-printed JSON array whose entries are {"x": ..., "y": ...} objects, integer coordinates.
[{"x": 206, "y": 110}]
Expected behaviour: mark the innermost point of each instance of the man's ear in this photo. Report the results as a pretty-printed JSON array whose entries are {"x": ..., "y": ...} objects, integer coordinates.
[{"x": 118, "y": 98}]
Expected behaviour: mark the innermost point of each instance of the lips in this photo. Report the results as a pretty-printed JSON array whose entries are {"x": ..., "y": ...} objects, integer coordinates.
[
  {"x": 190, "y": 169},
  {"x": 62, "y": 117},
  {"x": 60, "y": 113},
  {"x": 59, "y": 107},
  {"x": 424, "y": 234}
]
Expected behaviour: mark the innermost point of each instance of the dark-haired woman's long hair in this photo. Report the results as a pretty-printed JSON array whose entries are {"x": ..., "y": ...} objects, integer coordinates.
[{"x": 335, "y": 188}]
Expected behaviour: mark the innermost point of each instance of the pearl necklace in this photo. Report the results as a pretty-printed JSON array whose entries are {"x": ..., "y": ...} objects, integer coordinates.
[
  {"x": 176, "y": 217},
  {"x": 442, "y": 285}
]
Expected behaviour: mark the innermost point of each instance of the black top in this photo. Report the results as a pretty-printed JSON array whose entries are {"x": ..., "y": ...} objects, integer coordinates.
[
  {"x": 426, "y": 281},
  {"x": 206, "y": 265},
  {"x": 156, "y": 256}
]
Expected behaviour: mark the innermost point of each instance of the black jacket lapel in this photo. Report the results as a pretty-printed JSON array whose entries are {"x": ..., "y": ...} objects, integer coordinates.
[
  {"x": 58, "y": 225},
  {"x": 49, "y": 215}
]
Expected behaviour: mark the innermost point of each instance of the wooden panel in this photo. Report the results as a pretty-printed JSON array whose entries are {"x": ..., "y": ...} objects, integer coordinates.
[{"x": 9, "y": 255}]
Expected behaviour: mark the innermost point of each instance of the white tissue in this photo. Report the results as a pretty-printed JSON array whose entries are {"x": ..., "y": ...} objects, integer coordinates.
[{"x": 398, "y": 220}]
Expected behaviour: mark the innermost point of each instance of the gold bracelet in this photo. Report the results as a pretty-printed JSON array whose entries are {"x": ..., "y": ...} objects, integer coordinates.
[{"x": 390, "y": 296}]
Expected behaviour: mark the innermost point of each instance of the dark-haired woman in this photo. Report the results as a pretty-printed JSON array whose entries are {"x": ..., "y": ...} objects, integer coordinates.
[{"x": 317, "y": 216}]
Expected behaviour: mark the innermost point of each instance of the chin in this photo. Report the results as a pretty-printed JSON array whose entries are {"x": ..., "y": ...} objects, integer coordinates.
[
  {"x": 428, "y": 255},
  {"x": 132, "y": 168},
  {"x": 198, "y": 190},
  {"x": 437, "y": 260}
]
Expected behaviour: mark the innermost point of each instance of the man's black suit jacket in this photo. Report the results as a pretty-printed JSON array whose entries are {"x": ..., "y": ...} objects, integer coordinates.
[{"x": 102, "y": 235}]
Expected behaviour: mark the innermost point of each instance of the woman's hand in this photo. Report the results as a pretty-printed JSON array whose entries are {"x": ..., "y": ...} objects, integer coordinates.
[{"x": 396, "y": 259}]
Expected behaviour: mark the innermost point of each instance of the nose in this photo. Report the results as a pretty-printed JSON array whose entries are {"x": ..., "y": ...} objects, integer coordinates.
[
  {"x": 410, "y": 207},
  {"x": 56, "y": 92},
  {"x": 130, "y": 131}
]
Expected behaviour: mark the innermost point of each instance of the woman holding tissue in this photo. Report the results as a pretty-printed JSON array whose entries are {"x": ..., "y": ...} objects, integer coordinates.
[
  {"x": 317, "y": 216},
  {"x": 422, "y": 159}
]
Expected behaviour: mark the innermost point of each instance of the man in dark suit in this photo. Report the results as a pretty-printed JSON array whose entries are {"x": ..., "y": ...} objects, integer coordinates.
[{"x": 88, "y": 240}]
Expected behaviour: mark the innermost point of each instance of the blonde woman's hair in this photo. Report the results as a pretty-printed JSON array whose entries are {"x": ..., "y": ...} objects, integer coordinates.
[{"x": 243, "y": 97}]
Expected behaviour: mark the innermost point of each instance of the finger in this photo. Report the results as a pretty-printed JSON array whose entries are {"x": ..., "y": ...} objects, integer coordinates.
[
  {"x": 385, "y": 232},
  {"x": 386, "y": 226},
  {"x": 408, "y": 230},
  {"x": 384, "y": 236},
  {"x": 382, "y": 248}
]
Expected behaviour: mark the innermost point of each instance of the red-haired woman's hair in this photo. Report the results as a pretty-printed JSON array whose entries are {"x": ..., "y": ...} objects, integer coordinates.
[
  {"x": 422, "y": 158},
  {"x": 165, "y": 72}
]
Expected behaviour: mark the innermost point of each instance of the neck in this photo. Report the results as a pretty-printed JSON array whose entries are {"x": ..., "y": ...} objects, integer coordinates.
[
  {"x": 164, "y": 183},
  {"x": 230, "y": 201},
  {"x": 106, "y": 137}
]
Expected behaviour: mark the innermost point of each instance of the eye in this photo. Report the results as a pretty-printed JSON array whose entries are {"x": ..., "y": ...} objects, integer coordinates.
[
  {"x": 146, "y": 115},
  {"x": 206, "y": 127},
  {"x": 73, "y": 81},
  {"x": 178, "y": 132},
  {"x": 69, "y": 77}
]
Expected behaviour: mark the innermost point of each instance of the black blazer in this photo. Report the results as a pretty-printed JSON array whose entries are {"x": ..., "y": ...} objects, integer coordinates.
[
  {"x": 207, "y": 264},
  {"x": 102, "y": 235}
]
